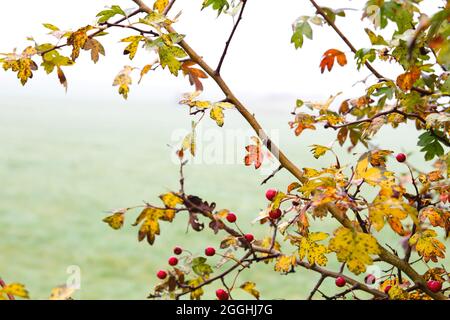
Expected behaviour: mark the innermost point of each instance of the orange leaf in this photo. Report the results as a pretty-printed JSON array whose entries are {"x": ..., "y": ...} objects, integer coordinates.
[
  {"x": 194, "y": 74},
  {"x": 328, "y": 59},
  {"x": 406, "y": 80},
  {"x": 254, "y": 154}
]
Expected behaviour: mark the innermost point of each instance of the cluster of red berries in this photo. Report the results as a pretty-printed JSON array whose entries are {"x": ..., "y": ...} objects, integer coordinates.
[
  {"x": 276, "y": 213},
  {"x": 231, "y": 218}
]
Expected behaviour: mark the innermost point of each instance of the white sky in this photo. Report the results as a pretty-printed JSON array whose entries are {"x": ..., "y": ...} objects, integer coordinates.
[{"x": 261, "y": 65}]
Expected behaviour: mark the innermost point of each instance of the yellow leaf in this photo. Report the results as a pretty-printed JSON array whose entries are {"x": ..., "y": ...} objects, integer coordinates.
[
  {"x": 123, "y": 80},
  {"x": 267, "y": 243},
  {"x": 285, "y": 264},
  {"x": 406, "y": 80},
  {"x": 15, "y": 289},
  {"x": 131, "y": 49},
  {"x": 427, "y": 246},
  {"x": 217, "y": 115},
  {"x": 116, "y": 220},
  {"x": 319, "y": 150},
  {"x": 250, "y": 287},
  {"x": 77, "y": 40},
  {"x": 144, "y": 71},
  {"x": 308, "y": 246},
  {"x": 150, "y": 226},
  {"x": 372, "y": 176},
  {"x": 197, "y": 293},
  {"x": 171, "y": 200},
  {"x": 397, "y": 293},
  {"x": 160, "y": 5},
  {"x": 62, "y": 293},
  {"x": 354, "y": 248},
  {"x": 377, "y": 158}
]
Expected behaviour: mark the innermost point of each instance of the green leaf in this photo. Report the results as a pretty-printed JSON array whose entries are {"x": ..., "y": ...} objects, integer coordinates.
[
  {"x": 105, "y": 15},
  {"x": 219, "y": 5},
  {"x": 200, "y": 267},
  {"x": 50, "y": 26},
  {"x": 168, "y": 58},
  {"x": 302, "y": 29}
]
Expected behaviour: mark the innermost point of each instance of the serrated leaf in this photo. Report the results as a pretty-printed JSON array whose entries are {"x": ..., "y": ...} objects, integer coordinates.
[
  {"x": 250, "y": 287},
  {"x": 354, "y": 248},
  {"x": 116, "y": 220}
]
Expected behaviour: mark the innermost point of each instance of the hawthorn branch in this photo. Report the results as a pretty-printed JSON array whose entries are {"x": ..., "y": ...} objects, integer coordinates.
[
  {"x": 141, "y": 31},
  {"x": 272, "y": 175},
  {"x": 218, "y": 277},
  {"x": 296, "y": 172},
  {"x": 132, "y": 14},
  {"x": 233, "y": 31},
  {"x": 377, "y": 74},
  {"x": 407, "y": 115},
  {"x": 316, "y": 287},
  {"x": 390, "y": 258}
]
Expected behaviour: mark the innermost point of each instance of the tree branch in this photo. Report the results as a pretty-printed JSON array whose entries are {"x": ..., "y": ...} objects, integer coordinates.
[
  {"x": 353, "y": 49},
  {"x": 227, "y": 45}
]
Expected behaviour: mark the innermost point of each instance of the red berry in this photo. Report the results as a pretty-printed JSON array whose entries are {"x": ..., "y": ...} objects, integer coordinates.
[
  {"x": 177, "y": 250},
  {"x": 222, "y": 294},
  {"x": 173, "y": 261},
  {"x": 210, "y": 251},
  {"x": 434, "y": 286},
  {"x": 370, "y": 279},
  {"x": 386, "y": 290},
  {"x": 231, "y": 217},
  {"x": 275, "y": 214},
  {"x": 270, "y": 194},
  {"x": 340, "y": 282},
  {"x": 249, "y": 237},
  {"x": 401, "y": 157},
  {"x": 161, "y": 274}
]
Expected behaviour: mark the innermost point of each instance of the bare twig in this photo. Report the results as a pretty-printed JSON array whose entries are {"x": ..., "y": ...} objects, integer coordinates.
[{"x": 233, "y": 31}]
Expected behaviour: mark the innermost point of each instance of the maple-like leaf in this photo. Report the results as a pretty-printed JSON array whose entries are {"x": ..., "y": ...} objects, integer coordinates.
[
  {"x": 160, "y": 5},
  {"x": 309, "y": 247},
  {"x": 95, "y": 47},
  {"x": 355, "y": 248},
  {"x": 427, "y": 245},
  {"x": 168, "y": 57},
  {"x": 250, "y": 287},
  {"x": 132, "y": 48},
  {"x": 437, "y": 217},
  {"x": 302, "y": 121},
  {"x": 254, "y": 154},
  {"x": 406, "y": 80},
  {"x": 194, "y": 74},
  {"x": 77, "y": 40},
  {"x": 116, "y": 220},
  {"x": 15, "y": 289},
  {"x": 372, "y": 176},
  {"x": 149, "y": 220},
  {"x": 319, "y": 150},
  {"x": 123, "y": 81},
  {"x": 171, "y": 200},
  {"x": 62, "y": 292},
  {"x": 329, "y": 57},
  {"x": 285, "y": 263}
]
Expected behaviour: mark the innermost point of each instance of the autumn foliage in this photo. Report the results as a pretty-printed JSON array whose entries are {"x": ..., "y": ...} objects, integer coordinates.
[{"x": 411, "y": 204}]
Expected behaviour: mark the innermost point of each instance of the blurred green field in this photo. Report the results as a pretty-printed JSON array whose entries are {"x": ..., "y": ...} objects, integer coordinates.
[{"x": 62, "y": 165}]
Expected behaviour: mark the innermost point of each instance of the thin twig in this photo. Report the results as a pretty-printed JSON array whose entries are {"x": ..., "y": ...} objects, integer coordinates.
[{"x": 227, "y": 45}]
